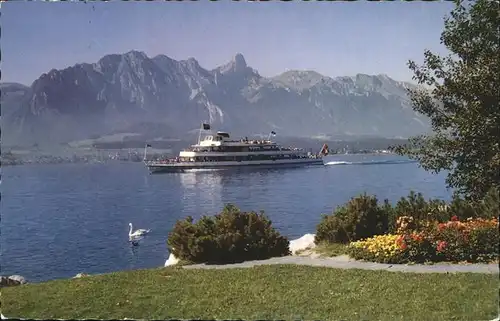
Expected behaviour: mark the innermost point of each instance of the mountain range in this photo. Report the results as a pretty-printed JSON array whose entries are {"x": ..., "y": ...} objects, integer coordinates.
[{"x": 160, "y": 96}]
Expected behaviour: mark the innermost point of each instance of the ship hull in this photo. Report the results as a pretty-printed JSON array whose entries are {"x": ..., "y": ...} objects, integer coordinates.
[{"x": 155, "y": 167}]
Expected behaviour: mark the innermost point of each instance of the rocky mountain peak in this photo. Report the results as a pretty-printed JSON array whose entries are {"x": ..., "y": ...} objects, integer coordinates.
[
  {"x": 237, "y": 65},
  {"x": 131, "y": 87},
  {"x": 239, "y": 62}
]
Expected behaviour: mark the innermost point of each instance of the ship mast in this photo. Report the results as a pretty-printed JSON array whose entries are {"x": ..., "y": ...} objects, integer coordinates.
[
  {"x": 204, "y": 126},
  {"x": 271, "y": 134}
]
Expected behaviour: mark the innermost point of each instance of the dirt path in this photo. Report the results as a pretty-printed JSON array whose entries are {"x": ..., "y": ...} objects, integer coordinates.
[{"x": 344, "y": 262}]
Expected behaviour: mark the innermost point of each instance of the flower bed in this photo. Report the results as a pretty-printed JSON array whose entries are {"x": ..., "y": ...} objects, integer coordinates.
[{"x": 473, "y": 240}]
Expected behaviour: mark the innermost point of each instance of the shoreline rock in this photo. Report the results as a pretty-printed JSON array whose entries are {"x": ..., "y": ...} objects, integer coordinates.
[
  {"x": 12, "y": 280},
  {"x": 80, "y": 275}
]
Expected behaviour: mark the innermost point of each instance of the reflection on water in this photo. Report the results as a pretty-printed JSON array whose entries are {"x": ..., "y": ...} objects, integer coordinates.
[
  {"x": 205, "y": 190},
  {"x": 199, "y": 179},
  {"x": 206, "y": 187}
]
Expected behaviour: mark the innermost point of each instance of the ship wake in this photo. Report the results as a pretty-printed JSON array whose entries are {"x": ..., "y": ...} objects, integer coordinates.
[{"x": 379, "y": 162}]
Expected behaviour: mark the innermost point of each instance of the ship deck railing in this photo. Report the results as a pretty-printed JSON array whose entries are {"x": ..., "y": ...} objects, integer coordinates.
[
  {"x": 208, "y": 149},
  {"x": 177, "y": 161}
]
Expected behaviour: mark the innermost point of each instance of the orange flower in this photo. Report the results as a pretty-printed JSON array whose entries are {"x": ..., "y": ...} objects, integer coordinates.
[
  {"x": 454, "y": 218},
  {"x": 441, "y": 246},
  {"x": 400, "y": 241},
  {"x": 416, "y": 237}
]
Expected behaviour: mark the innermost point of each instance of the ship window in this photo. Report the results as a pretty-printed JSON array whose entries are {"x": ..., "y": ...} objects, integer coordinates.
[{"x": 223, "y": 134}]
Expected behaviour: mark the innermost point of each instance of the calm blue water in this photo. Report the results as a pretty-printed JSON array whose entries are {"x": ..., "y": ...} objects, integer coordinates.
[{"x": 60, "y": 220}]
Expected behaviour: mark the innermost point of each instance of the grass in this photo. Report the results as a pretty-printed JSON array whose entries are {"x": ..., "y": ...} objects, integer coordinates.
[
  {"x": 331, "y": 249},
  {"x": 265, "y": 292},
  {"x": 326, "y": 250}
]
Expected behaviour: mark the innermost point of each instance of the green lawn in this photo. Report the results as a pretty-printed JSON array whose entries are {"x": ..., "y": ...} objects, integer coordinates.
[
  {"x": 331, "y": 249},
  {"x": 265, "y": 292}
]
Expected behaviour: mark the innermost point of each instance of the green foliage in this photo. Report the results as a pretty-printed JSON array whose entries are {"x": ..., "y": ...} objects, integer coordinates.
[
  {"x": 332, "y": 229},
  {"x": 473, "y": 241},
  {"x": 417, "y": 250},
  {"x": 228, "y": 237},
  {"x": 489, "y": 206},
  {"x": 452, "y": 244},
  {"x": 462, "y": 101},
  {"x": 360, "y": 218},
  {"x": 484, "y": 244},
  {"x": 416, "y": 207},
  {"x": 463, "y": 209},
  {"x": 422, "y": 211}
]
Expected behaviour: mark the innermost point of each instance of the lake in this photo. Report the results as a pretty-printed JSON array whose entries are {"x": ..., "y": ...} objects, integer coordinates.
[{"x": 60, "y": 220}]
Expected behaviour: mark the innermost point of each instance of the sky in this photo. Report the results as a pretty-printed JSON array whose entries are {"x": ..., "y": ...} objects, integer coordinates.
[{"x": 332, "y": 38}]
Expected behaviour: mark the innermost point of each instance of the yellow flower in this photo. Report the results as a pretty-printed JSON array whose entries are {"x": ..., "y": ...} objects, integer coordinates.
[{"x": 379, "y": 245}]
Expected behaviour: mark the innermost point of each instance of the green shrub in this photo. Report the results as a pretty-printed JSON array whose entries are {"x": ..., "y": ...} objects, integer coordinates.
[
  {"x": 229, "y": 237},
  {"x": 475, "y": 240},
  {"x": 392, "y": 216},
  {"x": 420, "y": 210},
  {"x": 461, "y": 208},
  {"x": 360, "y": 218},
  {"x": 484, "y": 244},
  {"x": 423, "y": 211},
  {"x": 417, "y": 249},
  {"x": 332, "y": 228},
  {"x": 451, "y": 243},
  {"x": 489, "y": 207}
]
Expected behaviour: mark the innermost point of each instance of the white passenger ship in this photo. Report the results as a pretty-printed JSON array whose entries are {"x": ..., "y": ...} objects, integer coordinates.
[{"x": 220, "y": 151}]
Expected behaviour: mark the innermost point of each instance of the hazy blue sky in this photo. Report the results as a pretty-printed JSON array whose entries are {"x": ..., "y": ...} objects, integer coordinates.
[{"x": 333, "y": 38}]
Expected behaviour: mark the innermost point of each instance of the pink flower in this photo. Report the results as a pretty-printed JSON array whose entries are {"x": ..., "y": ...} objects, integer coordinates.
[{"x": 441, "y": 246}]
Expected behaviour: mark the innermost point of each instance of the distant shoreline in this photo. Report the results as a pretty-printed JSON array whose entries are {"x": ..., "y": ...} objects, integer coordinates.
[
  {"x": 84, "y": 160},
  {"x": 67, "y": 162}
]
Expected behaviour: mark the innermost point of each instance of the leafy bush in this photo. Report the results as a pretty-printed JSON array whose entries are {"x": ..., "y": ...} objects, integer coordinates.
[
  {"x": 489, "y": 206},
  {"x": 332, "y": 228},
  {"x": 475, "y": 240},
  {"x": 360, "y": 218},
  {"x": 228, "y": 237},
  {"x": 461, "y": 208},
  {"x": 416, "y": 248},
  {"x": 420, "y": 210},
  {"x": 484, "y": 243}
]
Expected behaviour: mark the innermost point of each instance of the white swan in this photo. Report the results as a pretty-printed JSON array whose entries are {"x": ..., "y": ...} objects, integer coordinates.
[{"x": 137, "y": 233}]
